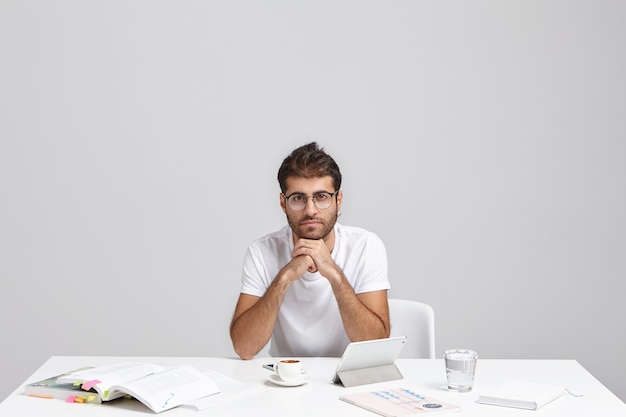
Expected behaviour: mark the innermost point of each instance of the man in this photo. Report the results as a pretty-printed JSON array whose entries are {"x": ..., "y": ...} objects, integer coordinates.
[{"x": 315, "y": 285}]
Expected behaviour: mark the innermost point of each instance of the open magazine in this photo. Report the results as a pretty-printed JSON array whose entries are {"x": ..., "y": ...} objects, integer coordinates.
[{"x": 158, "y": 387}]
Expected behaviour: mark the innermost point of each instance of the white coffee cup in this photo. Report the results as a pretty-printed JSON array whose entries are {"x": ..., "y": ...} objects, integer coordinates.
[{"x": 289, "y": 369}]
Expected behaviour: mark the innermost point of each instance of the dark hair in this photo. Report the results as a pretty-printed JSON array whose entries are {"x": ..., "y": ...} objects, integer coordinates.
[{"x": 308, "y": 161}]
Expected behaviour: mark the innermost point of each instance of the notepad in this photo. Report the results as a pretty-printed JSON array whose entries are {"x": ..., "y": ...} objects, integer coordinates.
[
  {"x": 399, "y": 402},
  {"x": 521, "y": 394}
]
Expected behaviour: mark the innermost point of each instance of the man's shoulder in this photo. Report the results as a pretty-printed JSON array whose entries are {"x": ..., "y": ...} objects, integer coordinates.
[
  {"x": 354, "y": 233},
  {"x": 271, "y": 239},
  {"x": 351, "y": 230},
  {"x": 360, "y": 244}
]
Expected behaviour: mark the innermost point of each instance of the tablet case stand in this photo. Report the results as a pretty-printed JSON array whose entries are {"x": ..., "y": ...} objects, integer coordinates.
[{"x": 371, "y": 375}]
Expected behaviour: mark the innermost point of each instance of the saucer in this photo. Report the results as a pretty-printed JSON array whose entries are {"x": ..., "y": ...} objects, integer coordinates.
[{"x": 296, "y": 383}]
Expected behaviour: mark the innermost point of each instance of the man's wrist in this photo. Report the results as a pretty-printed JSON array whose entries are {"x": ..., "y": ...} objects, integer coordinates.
[
  {"x": 336, "y": 278},
  {"x": 286, "y": 276}
]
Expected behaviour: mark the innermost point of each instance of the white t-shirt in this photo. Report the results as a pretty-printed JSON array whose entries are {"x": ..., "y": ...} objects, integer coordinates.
[{"x": 308, "y": 322}]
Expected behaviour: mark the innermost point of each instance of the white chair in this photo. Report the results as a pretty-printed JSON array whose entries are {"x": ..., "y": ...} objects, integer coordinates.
[{"x": 416, "y": 321}]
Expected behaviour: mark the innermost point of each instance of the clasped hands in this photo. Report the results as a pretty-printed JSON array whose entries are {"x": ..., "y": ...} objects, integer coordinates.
[{"x": 312, "y": 256}]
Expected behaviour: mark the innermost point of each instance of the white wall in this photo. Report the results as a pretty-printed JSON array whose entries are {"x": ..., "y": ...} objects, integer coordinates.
[{"x": 482, "y": 140}]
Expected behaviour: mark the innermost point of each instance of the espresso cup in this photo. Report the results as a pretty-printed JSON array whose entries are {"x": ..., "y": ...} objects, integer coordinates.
[{"x": 289, "y": 369}]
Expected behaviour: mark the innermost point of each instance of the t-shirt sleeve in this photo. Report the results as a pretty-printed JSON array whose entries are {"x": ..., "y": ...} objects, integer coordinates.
[
  {"x": 374, "y": 273},
  {"x": 254, "y": 280}
]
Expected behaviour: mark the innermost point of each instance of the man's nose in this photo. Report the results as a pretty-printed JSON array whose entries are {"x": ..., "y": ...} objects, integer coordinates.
[{"x": 310, "y": 206}]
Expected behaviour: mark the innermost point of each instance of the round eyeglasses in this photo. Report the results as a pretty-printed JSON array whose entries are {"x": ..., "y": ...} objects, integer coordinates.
[{"x": 322, "y": 200}]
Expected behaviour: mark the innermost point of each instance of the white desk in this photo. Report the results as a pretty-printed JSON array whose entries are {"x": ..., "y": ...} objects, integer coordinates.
[{"x": 319, "y": 397}]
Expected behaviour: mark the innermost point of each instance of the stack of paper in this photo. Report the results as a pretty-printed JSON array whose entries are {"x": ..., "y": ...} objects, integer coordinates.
[{"x": 230, "y": 390}]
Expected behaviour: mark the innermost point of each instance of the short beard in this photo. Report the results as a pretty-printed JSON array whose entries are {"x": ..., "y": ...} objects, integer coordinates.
[{"x": 305, "y": 234}]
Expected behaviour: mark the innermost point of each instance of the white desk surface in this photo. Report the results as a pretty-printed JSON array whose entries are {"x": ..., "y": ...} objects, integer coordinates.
[{"x": 319, "y": 397}]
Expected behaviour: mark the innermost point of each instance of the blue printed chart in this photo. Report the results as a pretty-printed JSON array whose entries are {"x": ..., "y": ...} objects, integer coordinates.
[{"x": 398, "y": 402}]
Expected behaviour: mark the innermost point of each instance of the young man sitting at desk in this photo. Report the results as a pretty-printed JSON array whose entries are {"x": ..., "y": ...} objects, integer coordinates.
[{"x": 315, "y": 285}]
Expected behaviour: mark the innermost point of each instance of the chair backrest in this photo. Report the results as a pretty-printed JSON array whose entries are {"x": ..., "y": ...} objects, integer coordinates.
[{"x": 416, "y": 321}]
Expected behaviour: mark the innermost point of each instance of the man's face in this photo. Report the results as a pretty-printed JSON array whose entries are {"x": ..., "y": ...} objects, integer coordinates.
[{"x": 311, "y": 222}]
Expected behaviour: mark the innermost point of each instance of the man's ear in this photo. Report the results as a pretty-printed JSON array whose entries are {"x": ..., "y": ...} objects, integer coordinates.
[
  {"x": 283, "y": 202},
  {"x": 339, "y": 200}
]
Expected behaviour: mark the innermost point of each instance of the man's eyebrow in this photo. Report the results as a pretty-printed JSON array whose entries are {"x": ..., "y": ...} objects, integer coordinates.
[{"x": 314, "y": 192}]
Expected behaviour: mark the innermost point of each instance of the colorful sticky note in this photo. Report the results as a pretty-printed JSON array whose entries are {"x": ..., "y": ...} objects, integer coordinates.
[
  {"x": 87, "y": 385},
  {"x": 70, "y": 399}
]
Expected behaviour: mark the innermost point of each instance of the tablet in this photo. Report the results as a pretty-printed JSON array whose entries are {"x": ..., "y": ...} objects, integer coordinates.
[{"x": 369, "y": 354}]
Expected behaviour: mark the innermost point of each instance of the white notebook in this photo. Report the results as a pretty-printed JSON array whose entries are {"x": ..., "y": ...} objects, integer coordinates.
[{"x": 521, "y": 394}]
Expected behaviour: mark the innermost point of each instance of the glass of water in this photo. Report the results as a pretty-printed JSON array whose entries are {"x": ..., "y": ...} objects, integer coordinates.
[{"x": 460, "y": 367}]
